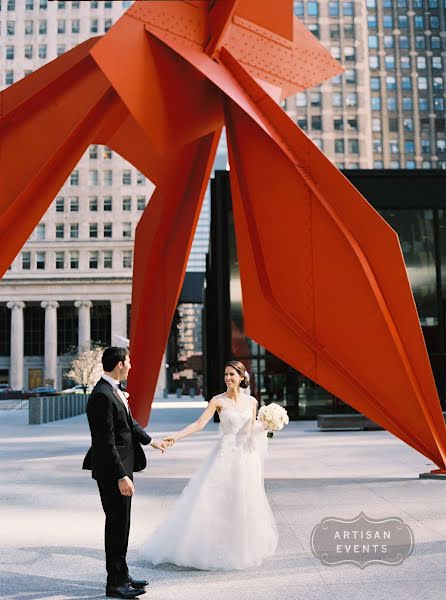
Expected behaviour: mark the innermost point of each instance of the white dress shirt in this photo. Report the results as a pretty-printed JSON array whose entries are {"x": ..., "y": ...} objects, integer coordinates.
[{"x": 115, "y": 384}]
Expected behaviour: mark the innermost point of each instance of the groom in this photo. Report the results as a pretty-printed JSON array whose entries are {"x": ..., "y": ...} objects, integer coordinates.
[{"x": 114, "y": 455}]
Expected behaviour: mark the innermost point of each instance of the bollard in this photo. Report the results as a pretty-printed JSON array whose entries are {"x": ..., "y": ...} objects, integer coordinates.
[
  {"x": 35, "y": 411},
  {"x": 44, "y": 409}
]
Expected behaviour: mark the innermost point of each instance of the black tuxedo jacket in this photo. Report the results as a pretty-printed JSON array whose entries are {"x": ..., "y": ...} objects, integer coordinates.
[{"x": 116, "y": 437}]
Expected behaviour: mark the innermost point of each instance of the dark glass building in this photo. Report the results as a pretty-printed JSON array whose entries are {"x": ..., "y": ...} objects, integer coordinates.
[{"x": 413, "y": 202}]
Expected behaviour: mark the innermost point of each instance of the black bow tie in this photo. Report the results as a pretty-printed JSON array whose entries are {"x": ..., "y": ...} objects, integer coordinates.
[{"x": 121, "y": 387}]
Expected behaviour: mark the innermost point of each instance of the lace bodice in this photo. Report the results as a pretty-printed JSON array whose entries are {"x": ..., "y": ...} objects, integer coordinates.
[{"x": 236, "y": 418}]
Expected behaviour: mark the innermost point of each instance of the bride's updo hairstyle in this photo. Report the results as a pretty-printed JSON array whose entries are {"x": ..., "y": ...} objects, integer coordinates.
[{"x": 240, "y": 368}]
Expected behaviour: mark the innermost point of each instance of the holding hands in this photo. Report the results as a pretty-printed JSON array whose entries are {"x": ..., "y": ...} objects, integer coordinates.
[{"x": 169, "y": 440}]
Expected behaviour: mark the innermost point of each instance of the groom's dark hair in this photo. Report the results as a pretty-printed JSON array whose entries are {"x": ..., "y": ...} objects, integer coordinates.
[{"x": 112, "y": 356}]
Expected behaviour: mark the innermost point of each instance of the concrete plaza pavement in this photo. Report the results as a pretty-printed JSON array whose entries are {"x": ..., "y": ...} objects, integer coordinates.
[{"x": 51, "y": 520}]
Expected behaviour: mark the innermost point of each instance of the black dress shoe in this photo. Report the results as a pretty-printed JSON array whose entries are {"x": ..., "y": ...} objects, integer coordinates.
[
  {"x": 122, "y": 591},
  {"x": 138, "y": 584}
]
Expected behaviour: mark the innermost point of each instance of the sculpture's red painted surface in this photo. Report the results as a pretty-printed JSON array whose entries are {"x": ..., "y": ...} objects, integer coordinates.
[{"x": 323, "y": 277}]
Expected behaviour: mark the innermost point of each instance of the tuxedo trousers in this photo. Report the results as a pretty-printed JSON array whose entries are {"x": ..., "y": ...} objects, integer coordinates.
[{"x": 117, "y": 527}]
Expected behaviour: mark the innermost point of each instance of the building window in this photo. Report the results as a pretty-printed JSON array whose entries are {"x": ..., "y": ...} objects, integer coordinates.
[
  {"x": 349, "y": 53},
  {"x": 40, "y": 231},
  {"x": 298, "y": 8},
  {"x": 74, "y": 230},
  {"x": 374, "y": 62},
  {"x": 407, "y": 103},
  {"x": 406, "y": 83},
  {"x": 127, "y": 203},
  {"x": 74, "y": 259},
  {"x": 34, "y": 330},
  {"x": 101, "y": 323},
  {"x": 74, "y": 204},
  {"x": 42, "y": 51},
  {"x": 93, "y": 230},
  {"x": 29, "y": 27},
  {"x": 408, "y": 124},
  {"x": 409, "y": 146},
  {"x": 425, "y": 146},
  {"x": 373, "y": 41},
  {"x": 403, "y": 22},
  {"x": 74, "y": 178},
  {"x": 338, "y": 124},
  {"x": 339, "y": 146},
  {"x": 376, "y": 124},
  {"x": 422, "y": 83},
  {"x": 316, "y": 99},
  {"x": 11, "y": 5},
  {"x": 394, "y": 147},
  {"x": 375, "y": 84},
  {"x": 93, "y": 259},
  {"x": 353, "y": 146},
  {"x": 107, "y": 24},
  {"x": 127, "y": 259},
  {"x": 127, "y": 177},
  {"x": 350, "y": 76},
  {"x": 61, "y": 26},
  {"x": 391, "y": 104},
  {"x": 108, "y": 177},
  {"x": 93, "y": 151},
  {"x": 60, "y": 230},
  {"x": 93, "y": 203},
  {"x": 26, "y": 260},
  {"x": 108, "y": 230},
  {"x": 60, "y": 204},
  {"x": 376, "y": 103},
  {"x": 9, "y": 77},
  {"x": 9, "y": 53},
  {"x": 420, "y": 42},
  {"x": 107, "y": 153},
  {"x": 312, "y": 9},
  {"x": 419, "y": 22},
  {"x": 140, "y": 178},
  {"x": 316, "y": 123},
  {"x": 10, "y": 27},
  {"x": 389, "y": 61},
  {"x": 388, "y": 21},
  {"x": 40, "y": 260},
  {"x": 141, "y": 202},
  {"x": 127, "y": 230},
  {"x": 437, "y": 62},
  {"x": 108, "y": 259},
  {"x": 336, "y": 99},
  {"x": 42, "y": 26},
  {"x": 333, "y": 9},
  {"x": 60, "y": 260},
  {"x": 28, "y": 52},
  {"x": 75, "y": 26},
  {"x": 93, "y": 176},
  {"x": 108, "y": 203},
  {"x": 94, "y": 24},
  {"x": 391, "y": 82},
  {"x": 439, "y": 104}
]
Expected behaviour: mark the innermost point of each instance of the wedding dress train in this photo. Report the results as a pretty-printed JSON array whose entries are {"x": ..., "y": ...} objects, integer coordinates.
[{"x": 222, "y": 519}]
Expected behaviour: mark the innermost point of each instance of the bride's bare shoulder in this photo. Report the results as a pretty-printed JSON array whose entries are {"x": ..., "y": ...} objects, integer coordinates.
[{"x": 216, "y": 400}]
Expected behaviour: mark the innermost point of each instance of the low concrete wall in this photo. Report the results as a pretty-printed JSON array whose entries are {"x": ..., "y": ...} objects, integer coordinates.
[{"x": 54, "y": 408}]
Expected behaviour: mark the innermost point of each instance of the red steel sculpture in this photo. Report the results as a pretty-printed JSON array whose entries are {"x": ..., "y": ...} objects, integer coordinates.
[{"x": 324, "y": 282}]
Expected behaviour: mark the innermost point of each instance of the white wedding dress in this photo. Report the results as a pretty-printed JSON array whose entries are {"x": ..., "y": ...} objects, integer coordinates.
[{"x": 222, "y": 518}]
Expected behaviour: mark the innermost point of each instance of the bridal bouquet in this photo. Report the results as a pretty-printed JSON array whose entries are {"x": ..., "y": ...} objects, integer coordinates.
[{"x": 273, "y": 417}]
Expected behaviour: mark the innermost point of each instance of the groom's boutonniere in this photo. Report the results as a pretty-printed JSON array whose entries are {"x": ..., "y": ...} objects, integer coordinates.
[{"x": 126, "y": 394}]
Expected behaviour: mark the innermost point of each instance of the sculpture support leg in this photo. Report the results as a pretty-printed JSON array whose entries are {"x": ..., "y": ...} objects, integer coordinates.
[{"x": 163, "y": 240}]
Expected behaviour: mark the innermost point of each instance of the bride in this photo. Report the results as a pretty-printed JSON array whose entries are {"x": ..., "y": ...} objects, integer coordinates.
[{"x": 222, "y": 518}]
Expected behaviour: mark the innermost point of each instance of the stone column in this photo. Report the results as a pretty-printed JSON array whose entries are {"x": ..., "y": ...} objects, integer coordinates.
[
  {"x": 118, "y": 321},
  {"x": 84, "y": 307},
  {"x": 50, "y": 307},
  {"x": 16, "y": 364}
]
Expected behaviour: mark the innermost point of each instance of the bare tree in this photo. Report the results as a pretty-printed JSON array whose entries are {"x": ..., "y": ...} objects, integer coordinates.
[{"x": 86, "y": 368}]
